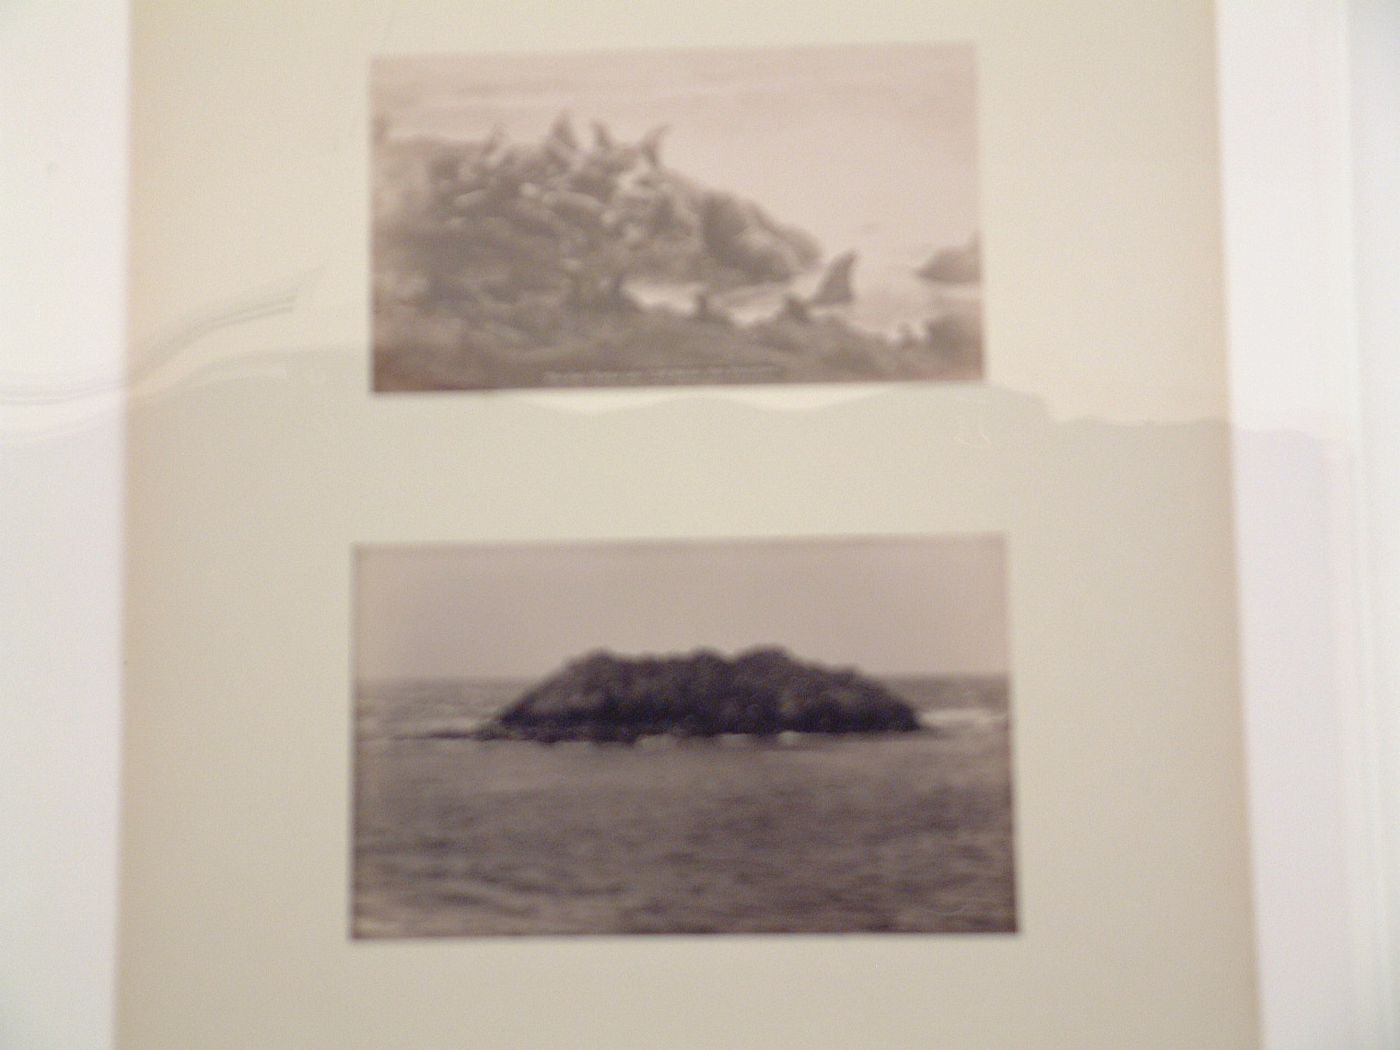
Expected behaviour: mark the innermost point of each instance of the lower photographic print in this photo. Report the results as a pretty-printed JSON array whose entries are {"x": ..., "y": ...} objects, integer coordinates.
[{"x": 795, "y": 736}]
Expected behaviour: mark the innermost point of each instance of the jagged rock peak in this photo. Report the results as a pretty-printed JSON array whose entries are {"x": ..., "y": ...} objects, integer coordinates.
[
  {"x": 955, "y": 265},
  {"x": 835, "y": 287}
]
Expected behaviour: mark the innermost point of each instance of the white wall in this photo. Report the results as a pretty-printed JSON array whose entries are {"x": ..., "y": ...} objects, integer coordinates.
[
  {"x": 62, "y": 185},
  {"x": 1311, "y": 153},
  {"x": 1311, "y": 234},
  {"x": 1375, "y": 130}
]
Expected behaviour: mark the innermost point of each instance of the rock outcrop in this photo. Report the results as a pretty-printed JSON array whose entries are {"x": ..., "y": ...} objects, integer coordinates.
[
  {"x": 740, "y": 237},
  {"x": 584, "y": 259},
  {"x": 604, "y": 697},
  {"x": 494, "y": 219},
  {"x": 835, "y": 288},
  {"x": 955, "y": 265}
]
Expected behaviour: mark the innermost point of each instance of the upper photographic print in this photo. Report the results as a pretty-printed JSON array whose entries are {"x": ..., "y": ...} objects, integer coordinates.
[{"x": 675, "y": 217}]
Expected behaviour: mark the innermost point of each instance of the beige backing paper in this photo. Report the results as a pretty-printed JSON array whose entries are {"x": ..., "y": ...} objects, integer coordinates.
[{"x": 1098, "y": 446}]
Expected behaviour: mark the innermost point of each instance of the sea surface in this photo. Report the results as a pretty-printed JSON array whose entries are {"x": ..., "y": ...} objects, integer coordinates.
[{"x": 820, "y": 834}]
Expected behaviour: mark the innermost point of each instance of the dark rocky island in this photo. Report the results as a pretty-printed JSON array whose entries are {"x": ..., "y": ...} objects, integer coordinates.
[{"x": 603, "y": 697}]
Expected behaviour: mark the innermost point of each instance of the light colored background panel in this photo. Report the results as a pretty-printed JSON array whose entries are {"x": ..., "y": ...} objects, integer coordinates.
[
  {"x": 260, "y": 459},
  {"x": 1130, "y": 828},
  {"x": 62, "y": 300},
  {"x": 1083, "y": 153}
]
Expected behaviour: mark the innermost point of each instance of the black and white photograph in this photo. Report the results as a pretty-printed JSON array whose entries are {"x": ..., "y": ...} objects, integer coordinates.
[
  {"x": 675, "y": 217},
  {"x": 682, "y": 737}
]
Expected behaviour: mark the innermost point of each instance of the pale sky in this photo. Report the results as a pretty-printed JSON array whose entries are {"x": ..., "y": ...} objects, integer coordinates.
[
  {"x": 852, "y": 144},
  {"x": 887, "y": 606}
]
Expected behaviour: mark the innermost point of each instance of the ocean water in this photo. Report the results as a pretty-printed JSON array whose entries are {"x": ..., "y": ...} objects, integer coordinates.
[
  {"x": 898, "y": 833},
  {"x": 890, "y": 298}
]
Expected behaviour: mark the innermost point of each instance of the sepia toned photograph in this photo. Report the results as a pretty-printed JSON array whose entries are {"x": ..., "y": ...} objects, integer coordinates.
[
  {"x": 675, "y": 217},
  {"x": 740, "y": 737}
]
